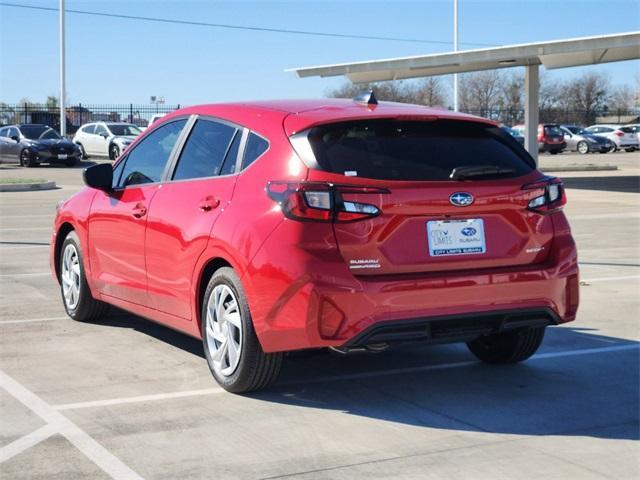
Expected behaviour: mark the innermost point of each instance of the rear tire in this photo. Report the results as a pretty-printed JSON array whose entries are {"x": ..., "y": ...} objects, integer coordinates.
[
  {"x": 613, "y": 149},
  {"x": 76, "y": 296},
  {"x": 554, "y": 152},
  {"x": 231, "y": 347},
  {"x": 507, "y": 347},
  {"x": 632, "y": 149}
]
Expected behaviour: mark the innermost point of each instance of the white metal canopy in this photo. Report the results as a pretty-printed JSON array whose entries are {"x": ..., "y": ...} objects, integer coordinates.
[{"x": 552, "y": 54}]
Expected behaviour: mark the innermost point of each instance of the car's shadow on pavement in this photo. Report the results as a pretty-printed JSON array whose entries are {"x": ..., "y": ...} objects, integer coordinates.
[
  {"x": 558, "y": 392},
  {"x": 624, "y": 184}
]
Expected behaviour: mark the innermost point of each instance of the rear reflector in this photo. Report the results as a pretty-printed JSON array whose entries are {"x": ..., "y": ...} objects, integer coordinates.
[
  {"x": 322, "y": 202},
  {"x": 552, "y": 196}
]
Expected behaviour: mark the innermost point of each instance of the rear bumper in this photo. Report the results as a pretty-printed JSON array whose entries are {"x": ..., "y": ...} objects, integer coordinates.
[
  {"x": 454, "y": 328},
  {"x": 312, "y": 300}
]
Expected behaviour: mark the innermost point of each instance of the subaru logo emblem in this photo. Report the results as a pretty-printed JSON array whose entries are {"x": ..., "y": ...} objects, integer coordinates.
[
  {"x": 468, "y": 231},
  {"x": 461, "y": 199}
]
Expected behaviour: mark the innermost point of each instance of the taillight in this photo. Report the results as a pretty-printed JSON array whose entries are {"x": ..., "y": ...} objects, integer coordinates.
[
  {"x": 322, "y": 202},
  {"x": 552, "y": 196},
  {"x": 619, "y": 133}
]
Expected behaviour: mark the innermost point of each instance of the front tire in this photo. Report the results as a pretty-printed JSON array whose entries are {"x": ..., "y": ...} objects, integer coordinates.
[
  {"x": 231, "y": 347},
  {"x": 613, "y": 149},
  {"x": 76, "y": 296},
  {"x": 114, "y": 152},
  {"x": 583, "y": 147},
  {"x": 25, "y": 159},
  {"x": 632, "y": 149},
  {"x": 507, "y": 347},
  {"x": 83, "y": 153}
]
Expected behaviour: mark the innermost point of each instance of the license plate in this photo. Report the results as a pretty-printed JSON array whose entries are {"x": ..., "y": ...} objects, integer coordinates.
[
  {"x": 62, "y": 156},
  {"x": 456, "y": 237}
]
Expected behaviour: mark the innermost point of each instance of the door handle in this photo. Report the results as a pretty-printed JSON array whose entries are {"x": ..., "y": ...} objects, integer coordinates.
[
  {"x": 139, "y": 211},
  {"x": 209, "y": 203}
]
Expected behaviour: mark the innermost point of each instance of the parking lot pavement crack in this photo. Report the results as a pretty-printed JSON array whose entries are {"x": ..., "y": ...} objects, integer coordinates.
[{"x": 104, "y": 459}]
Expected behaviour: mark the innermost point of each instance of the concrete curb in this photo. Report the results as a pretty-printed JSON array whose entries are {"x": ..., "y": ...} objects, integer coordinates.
[
  {"x": 580, "y": 168},
  {"x": 27, "y": 187}
]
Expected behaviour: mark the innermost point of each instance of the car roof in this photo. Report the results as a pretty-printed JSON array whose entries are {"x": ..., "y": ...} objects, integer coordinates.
[{"x": 302, "y": 114}]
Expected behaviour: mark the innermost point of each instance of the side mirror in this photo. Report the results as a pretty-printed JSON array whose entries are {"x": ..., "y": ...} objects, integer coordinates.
[
  {"x": 16, "y": 138},
  {"x": 99, "y": 176},
  {"x": 104, "y": 135}
]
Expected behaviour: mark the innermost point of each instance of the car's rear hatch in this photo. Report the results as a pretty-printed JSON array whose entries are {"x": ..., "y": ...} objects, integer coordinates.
[{"x": 427, "y": 221}]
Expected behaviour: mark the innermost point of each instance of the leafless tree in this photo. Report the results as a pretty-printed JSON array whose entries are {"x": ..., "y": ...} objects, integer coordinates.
[
  {"x": 587, "y": 95},
  {"x": 511, "y": 102},
  {"x": 432, "y": 92},
  {"x": 480, "y": 92}
]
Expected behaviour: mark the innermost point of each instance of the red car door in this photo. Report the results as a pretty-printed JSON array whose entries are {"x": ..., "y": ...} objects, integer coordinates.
[
  {"x": 184, "y": 211},
  {"x": 118, "y": 219}
]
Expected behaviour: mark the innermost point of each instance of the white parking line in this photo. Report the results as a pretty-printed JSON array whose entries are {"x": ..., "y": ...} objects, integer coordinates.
[
  {"x": 36, "y": 274},
  {"x": 104, "y": 459},
  {"x": 610, "y": 279},
  {"x": 20, "y": 229},
  {"x": 598, "y": 216},
  {"x": 23, "y": 443},
  {"x": 338, "y": 378},
  {"x": 141, "y": 398},
  {"x": 32, "y": 320}
]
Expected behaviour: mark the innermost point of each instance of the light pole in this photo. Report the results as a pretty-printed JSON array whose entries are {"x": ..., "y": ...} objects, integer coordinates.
[
  {"x": 455, "y": 49},
  {"x": 63, "y": 117}
]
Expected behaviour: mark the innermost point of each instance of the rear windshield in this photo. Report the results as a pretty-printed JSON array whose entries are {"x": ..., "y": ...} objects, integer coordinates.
[
  {"x": 552, "y": 131},
  {"x": 414, "y": 150},
  {"x": 627, "y": 129}
]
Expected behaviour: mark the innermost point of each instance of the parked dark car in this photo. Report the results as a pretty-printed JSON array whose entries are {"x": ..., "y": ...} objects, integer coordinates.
[
  {"x": 33, "y": 144},
  {"x": 514, "y": 133},
  {"x": 582, "y": 141}
]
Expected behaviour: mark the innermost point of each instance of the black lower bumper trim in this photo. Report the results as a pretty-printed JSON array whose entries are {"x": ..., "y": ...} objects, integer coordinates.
[{"x": 453, "y": 328}]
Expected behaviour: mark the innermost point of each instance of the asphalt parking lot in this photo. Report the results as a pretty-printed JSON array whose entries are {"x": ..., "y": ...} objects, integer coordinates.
[{"x": 126, "y": 398}]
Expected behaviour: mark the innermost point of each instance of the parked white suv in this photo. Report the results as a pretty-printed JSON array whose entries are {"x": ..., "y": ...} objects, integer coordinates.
[
  {"x": 105, "y": 139},
  {"x": 621, "y": 139}
]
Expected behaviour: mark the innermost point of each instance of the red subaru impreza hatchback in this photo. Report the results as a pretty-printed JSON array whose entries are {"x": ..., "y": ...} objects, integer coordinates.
[{"x": 268, "y": 227}]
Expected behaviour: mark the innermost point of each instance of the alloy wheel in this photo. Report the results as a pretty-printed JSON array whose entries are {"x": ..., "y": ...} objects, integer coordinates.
[
  {"x": 583, "y": 147},
  {"x": 223, "y": 330},
  {"x": 70, "y": 275},
  {"x": 25, "y": 160}
]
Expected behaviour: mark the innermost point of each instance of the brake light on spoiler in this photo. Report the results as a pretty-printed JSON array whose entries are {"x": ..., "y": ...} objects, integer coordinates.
[
  {"x": 321, "y": 201},
  {"x": 551, "y": 196}
]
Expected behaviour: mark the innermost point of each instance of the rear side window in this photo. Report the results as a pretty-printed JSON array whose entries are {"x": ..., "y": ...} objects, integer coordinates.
[
  {"x": 89, "y": 129},
  {"x": 146, "y": 162},
  {"x": 411, "y": 150},
  {"x": 256, "y": 146},
  {"x": 205, "y": 150}
]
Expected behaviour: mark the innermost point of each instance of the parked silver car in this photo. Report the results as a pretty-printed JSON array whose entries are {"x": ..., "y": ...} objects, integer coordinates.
[{"x": 580, "y": 140}]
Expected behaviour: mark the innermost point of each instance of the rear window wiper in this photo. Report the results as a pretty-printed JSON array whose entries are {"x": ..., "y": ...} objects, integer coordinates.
[{"x": 460, "y": 173}]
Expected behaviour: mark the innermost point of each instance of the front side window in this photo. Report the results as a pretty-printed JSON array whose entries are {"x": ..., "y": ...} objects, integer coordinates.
[
  {"x": 205, "y": 150},
  {"x": 124, "y": 130},
  {"x": 4, "y": 132},
  {"x": 101, "y": 130},
  {"x": 146, "y": 162}
]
